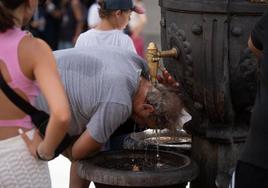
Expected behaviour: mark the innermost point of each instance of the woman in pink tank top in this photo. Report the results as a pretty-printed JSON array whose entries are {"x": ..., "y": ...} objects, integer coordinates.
[{"x": 27, "y": 65}]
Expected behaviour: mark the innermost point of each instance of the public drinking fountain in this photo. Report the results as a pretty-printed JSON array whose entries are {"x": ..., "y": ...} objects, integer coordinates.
[
  {"x": 138, "y": 169},
  {"x": 146, "y": 167},
  {"x": 211, "y": 61},
  {"x": 176, "y": 141},
  {"x": 217, "y": 73}
]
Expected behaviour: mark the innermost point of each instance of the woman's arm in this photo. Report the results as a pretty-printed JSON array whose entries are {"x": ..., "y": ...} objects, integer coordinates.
[{"x": 40, "y": 65}]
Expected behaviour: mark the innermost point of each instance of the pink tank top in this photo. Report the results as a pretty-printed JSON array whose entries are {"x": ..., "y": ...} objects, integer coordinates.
[{"x": 9, "y": 42}]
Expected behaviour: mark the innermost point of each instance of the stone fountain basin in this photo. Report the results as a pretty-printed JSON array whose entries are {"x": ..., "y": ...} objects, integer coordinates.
[
  {"x": 115, "y": 168},
  {"x": 141, "y": 140}
]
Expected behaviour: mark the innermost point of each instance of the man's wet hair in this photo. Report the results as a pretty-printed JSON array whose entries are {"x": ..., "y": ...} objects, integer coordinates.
[{"x": 168, "y": 105}]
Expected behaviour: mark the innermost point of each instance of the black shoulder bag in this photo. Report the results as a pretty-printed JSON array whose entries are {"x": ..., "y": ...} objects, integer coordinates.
[{"x": 39, "y": 118}]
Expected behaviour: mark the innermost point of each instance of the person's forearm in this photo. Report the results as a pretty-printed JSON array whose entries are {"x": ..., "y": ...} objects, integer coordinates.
[
  {"x": 56, "y": 130},
  {"x": 254, "y": 50},
  {"x": 84, "y": 146}
]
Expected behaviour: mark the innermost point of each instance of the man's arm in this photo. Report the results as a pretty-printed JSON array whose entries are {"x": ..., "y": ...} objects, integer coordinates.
[
  {"x": 101, "y": 126},
  {"x": 84, "y": 146}
]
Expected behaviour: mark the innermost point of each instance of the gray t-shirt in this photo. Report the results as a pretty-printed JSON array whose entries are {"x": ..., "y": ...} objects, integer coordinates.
[{"x": 100, "y": 84}]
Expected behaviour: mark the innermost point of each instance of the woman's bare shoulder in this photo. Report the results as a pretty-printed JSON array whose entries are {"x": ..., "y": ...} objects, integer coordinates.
[{"x": 32, "y": 49}]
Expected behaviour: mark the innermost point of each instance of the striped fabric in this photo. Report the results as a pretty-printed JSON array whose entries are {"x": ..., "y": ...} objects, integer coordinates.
[{"x": 18, "y": 169}]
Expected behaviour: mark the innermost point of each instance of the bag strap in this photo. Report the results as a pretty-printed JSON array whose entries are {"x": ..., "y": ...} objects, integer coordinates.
[
  {"x": 21, "y": 103},
  {"x": 38, "y": 117}
]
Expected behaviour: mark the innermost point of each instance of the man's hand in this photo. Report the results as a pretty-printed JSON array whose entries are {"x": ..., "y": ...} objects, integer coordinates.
[{"x": 167, "y": 79}]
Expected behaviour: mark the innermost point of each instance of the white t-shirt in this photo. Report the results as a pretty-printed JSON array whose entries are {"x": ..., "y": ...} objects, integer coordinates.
[
  {"x": 110, "y": 38},
  {"x": 93, "y": 17}
]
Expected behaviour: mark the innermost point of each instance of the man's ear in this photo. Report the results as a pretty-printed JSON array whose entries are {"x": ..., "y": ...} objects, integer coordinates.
[{"x": 146, "y": 109}]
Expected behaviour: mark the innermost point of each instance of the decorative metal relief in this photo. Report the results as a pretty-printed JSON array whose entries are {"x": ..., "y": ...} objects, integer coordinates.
[
  {"x": 244, "y": 84},
  {"x": 177, "y": 39},
  {"x": 236, "y": 31},
  {"x": 197, "y": 29},
  {"x": 163, "y": 22}
]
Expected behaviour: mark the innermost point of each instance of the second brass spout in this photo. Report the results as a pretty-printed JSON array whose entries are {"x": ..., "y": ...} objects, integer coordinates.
[{"x": 173, "y": 52}]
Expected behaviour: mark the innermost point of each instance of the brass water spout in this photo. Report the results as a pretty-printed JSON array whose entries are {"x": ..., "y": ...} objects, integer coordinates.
[{"x": 153, "y": 56}]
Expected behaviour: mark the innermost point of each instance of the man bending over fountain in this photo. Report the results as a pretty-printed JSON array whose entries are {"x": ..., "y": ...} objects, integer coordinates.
[{"x": 104, "y": 87}]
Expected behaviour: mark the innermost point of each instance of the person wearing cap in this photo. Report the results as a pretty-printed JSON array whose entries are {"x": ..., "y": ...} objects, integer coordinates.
[{"x": 115, "y": 16}]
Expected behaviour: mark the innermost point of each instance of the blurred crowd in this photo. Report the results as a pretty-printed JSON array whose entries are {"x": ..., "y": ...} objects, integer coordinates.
[{"x": 60, "y": 22}]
